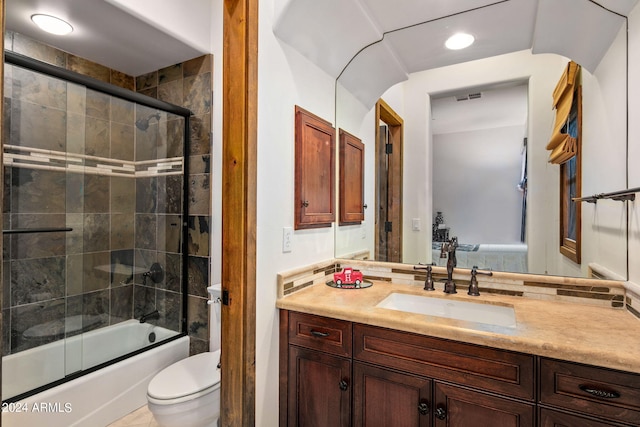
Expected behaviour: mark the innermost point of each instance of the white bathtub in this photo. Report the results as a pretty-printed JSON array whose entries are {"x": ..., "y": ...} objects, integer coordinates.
[{"x": 94, "y": 399}]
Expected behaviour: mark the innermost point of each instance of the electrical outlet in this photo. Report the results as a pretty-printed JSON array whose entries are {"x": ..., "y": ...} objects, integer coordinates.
[{"x": 287, "y": 239}]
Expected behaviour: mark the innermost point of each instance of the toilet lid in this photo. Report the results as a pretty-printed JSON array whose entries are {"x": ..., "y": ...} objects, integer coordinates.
[{"x": 186, "y": 377}]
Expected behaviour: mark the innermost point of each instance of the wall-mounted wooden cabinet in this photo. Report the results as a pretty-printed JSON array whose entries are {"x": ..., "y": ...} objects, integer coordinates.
[
  {"x": 314, "y": 171},
  {"x": 351, "y": 179}
]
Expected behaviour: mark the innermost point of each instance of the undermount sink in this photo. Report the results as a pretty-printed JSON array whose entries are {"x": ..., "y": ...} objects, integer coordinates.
[{"x": 497, "y": 315}]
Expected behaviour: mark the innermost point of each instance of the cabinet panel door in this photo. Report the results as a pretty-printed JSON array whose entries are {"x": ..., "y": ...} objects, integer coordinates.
[
  {"x": 383, "y": 398},
  {"x": 314, "y": 171},
  {"x": 459, "y": 407},
  {"x": 351, "y": 179},
  {"x": 319, "y": 389},
  {"x": 549, "y": 418}
]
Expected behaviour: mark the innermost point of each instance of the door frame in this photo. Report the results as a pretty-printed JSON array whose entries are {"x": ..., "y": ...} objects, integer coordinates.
[
  {"x": 239, "y": 193},
  {"x": 386, "y": 114}
]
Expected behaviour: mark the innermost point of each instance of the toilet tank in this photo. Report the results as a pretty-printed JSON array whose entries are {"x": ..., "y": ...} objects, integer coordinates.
[{"x": 215, "y": 316}]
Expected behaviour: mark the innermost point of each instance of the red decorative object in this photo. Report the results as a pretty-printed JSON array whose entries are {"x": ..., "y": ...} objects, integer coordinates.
[{"x": 348, "y": 277}]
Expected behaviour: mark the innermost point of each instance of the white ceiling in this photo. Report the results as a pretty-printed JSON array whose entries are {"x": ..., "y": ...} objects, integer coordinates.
[
  {"x": 118, "y": 33},
  {"x": 356, "y": 40},
  {"x": 137, "y": 36}
]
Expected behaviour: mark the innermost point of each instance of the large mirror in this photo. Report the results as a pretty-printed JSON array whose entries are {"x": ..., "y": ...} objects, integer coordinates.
[{"x": 472, "y": 130}]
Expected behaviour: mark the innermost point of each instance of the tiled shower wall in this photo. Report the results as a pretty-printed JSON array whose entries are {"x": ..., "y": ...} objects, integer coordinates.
[
  {"x": 189, "y": 84},
  {"x": 110, "y": 211}
]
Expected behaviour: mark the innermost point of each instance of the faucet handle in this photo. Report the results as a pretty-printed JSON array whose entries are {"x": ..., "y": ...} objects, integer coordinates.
[
  {"x": 428, "y": 283},
  {"x": 473, "y": 286}
]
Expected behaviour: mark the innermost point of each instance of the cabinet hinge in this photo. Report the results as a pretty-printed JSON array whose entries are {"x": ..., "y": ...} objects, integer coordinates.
[
  {"x": 388, "y": 148},
  {"x": 388, "y": 227},
  {"x": 225, "y": 298}
]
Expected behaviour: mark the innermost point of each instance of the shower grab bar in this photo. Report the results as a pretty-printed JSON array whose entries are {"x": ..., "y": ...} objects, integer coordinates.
[{"x": 36, "y": 230}]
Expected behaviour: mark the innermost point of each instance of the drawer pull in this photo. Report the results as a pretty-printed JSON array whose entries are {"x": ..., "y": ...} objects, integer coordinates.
[
  {"x": 423, "y": 408},
  {"x": 605, "y": 394},
  {"x": 343, "y": 385},
  {"x": 441, "y": 413},
  {"x": 319, "y": 334}
]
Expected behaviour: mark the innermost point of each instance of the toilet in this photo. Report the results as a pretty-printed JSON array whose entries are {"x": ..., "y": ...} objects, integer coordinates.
[{"x": 187, "y": 393}]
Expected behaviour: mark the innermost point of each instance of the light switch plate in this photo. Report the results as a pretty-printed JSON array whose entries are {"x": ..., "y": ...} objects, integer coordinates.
[{"x": 415, "y": 224}]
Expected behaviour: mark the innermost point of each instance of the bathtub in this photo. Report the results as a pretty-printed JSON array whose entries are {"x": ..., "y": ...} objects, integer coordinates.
[{"x": 95, "y": 399}]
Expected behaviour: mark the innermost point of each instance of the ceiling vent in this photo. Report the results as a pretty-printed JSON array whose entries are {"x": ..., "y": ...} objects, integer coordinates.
[{"x": 475, "y": 95}]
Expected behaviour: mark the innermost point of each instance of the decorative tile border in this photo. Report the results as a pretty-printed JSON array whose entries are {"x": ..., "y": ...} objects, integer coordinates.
[
  {"x": 632, "y": 300},
  {"x": 35, "y": 158},
  {"x": 294, "y": 280},
  {"x": 601, "y": 293}
]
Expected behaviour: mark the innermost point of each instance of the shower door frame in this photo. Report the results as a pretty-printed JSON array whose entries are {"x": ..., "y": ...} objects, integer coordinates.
[{"x": 31, "y": 64}]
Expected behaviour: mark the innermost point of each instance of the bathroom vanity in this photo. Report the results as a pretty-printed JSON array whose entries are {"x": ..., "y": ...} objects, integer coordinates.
[{"x": 345, "y": 361}]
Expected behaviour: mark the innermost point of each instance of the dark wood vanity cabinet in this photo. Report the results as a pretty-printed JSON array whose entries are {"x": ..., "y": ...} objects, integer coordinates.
[{"x": 338, "y": 373}]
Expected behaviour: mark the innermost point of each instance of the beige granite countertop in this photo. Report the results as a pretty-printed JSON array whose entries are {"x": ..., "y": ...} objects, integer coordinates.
[{"x": 597, "y": 336}]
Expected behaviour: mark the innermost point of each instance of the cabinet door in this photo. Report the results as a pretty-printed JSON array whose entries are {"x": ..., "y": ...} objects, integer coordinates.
[
  {"x": 383, "y": 398},
  {"x": 315, "y": 171},
  {"x": 319, "y": 389},
  {"x": 351, "y": 179},
  {"x": 459, "y": 407},
  {"x": 549, "y": 418}
]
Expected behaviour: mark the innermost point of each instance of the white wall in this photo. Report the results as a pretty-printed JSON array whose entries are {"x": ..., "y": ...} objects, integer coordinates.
[
  {"x": 475, "y": 178},
  {"x": 285, "y": 79},
  {"x": 634, "y": 143}
]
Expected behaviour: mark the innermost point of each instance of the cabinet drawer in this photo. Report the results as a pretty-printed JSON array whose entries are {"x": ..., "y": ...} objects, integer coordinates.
[
  {"x": 601, "y": 392},
  {"x": 320, "y": 333},
  {"x": 500, "y": 371},
  {"x": 550, "y": 418}
]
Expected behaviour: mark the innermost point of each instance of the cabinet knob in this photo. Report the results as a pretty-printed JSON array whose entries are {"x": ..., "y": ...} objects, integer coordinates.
[
  {"x": 343, "y": 385},
  {"x": 423, "y": 408},
  {"x": 305, "y": 203},
  {"x": 441, "y": 413}
]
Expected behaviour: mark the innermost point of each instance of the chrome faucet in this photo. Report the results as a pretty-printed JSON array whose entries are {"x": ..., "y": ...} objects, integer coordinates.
[{"x": 448, "y": 250}]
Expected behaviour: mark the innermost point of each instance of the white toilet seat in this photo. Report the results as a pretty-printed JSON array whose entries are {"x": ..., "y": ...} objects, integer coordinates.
[{"x": 185, "y": 380}]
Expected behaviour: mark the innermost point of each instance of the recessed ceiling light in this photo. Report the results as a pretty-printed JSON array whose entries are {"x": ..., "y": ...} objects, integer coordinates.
[
  {"x": 51, "y": 24},
  {"x": 459, "y": 41}
]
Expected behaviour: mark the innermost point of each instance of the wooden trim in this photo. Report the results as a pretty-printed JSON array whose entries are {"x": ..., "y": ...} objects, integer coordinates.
[
  {"x": 2, "y": 130},
  {"x": 284, "y": 369},
  {"x": 239, "y": 187},
  {"x": 384, "y": 113},
  {"x": 572, "y": 249}
]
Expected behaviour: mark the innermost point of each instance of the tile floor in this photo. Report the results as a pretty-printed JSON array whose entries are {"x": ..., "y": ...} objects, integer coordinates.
[{"x": 141, "y": 417}]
